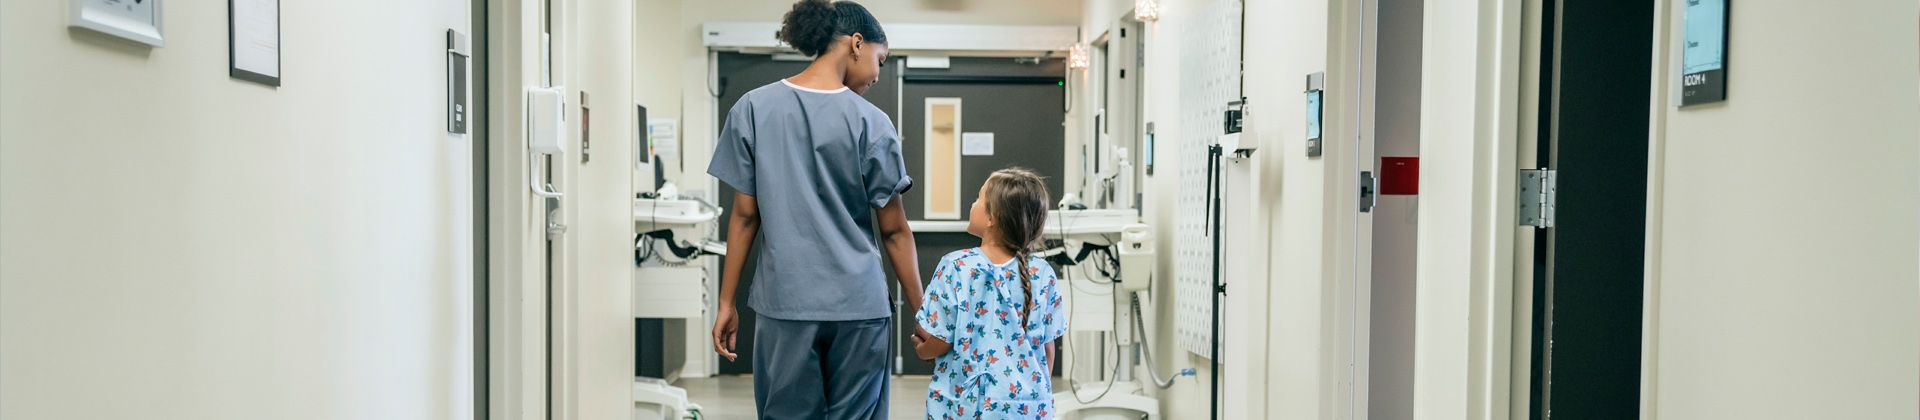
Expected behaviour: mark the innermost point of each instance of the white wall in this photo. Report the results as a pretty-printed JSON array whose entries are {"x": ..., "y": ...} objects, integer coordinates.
[
  {"x": 1188, "y": 397},
  {"x": 1286, "y": 365},
  {"x": 658, "y": 40},
  {"x": 1781, "y": 275},
  {"x": 181, "y": 245},
  {"x": 1306, "y": 365},
  {"x": 1468, "y": 153},
  {"x": 600, "y": 296}
]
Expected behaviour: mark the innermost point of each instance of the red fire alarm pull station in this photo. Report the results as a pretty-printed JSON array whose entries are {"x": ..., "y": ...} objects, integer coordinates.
[{"x": 1399, "y": 176}]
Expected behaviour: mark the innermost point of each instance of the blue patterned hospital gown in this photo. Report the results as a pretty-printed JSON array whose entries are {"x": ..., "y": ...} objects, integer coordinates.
[{"x": 998, "y": 368}]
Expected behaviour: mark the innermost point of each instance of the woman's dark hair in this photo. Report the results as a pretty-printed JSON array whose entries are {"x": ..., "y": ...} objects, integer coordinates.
[
  {"x": 1017, "y": 202},
  {"x": 813, "y": 25}
]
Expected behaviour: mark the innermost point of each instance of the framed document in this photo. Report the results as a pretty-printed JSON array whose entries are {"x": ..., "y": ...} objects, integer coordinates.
[
  {"x": 253, "y": 41},
  {"x": 138, "y": 21}
]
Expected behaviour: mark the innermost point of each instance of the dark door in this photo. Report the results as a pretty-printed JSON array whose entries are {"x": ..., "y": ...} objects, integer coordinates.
[
  {"x": 1022, "y": 104},
  {"x": 1588, "y": 283},
  {"x": 739, "y": 74}
]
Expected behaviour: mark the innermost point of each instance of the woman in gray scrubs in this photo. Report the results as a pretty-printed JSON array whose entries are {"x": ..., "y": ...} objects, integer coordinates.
[{"x": 825, "y": 165}]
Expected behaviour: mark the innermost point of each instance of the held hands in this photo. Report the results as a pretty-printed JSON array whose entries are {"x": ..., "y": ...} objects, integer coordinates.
[
  {"x": 927, "y": 346},
  {"x": 726, "y": 326}
]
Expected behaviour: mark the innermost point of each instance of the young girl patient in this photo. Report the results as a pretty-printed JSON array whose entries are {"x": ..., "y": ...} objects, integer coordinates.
[{"x": 991, "y": 313}]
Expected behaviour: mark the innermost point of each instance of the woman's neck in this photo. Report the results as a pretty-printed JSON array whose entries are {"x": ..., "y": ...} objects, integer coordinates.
[
  {"x": 821, "y": 75},
  {"x": 995, "y": 251}
]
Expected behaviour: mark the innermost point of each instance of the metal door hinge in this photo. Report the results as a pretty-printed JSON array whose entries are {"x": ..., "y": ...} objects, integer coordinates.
[
  {"x": 1536, "y": 197},
  {"x": 1367, "y": 189}
]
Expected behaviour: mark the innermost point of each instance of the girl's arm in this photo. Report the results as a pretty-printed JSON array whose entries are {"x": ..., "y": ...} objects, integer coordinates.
[{"x": 936, "y": 312}]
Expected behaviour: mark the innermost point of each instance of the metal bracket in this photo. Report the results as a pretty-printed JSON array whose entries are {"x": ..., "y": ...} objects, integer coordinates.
[
  {"x": 1235, "y": 120},
  {"x": 1536, "y": 197},
  {"x": 555, "y": 229}
]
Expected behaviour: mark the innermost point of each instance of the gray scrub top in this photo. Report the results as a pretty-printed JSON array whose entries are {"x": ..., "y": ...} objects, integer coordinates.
[{"x": 818, "y": 163}]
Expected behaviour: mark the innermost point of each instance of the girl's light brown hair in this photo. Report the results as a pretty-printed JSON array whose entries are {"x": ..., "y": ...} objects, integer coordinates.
[{"x": 1016, "y": 200}]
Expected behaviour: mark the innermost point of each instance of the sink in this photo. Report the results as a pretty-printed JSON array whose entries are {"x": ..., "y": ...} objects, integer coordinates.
[
  {"x": 1089, "y": 222},
  {"x": 653, "y": 214}
]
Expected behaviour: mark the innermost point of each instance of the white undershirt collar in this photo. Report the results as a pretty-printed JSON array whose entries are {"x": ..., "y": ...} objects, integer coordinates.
[{"x": 808, "y": 89}]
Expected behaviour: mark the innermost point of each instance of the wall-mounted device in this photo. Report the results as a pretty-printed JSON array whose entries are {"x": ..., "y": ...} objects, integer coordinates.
[
  {"x": 1136, "y": 257},
  {"x": 1147, "y": 152},
  {"x": 586, "y": 130},
  {"x": 456, "y": 82},
  {"x": 546, "y": 133},
  {"x": 1703, "y": 58},
  {"x": 1234, "y": 140},
  {"x": 1316, "y": 107},
  {"x": 642, "y": 140}
]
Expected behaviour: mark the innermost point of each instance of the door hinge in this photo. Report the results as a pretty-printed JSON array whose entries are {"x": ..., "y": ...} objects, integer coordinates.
[
  {"x": 1367, "y": 191},
  {"x": 1536, "y": 197}
]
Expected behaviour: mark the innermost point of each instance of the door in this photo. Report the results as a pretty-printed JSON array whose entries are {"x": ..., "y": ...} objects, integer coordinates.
[
  {"x": 1021, "y": 103},
  {"x": 1589, "y": 268}
]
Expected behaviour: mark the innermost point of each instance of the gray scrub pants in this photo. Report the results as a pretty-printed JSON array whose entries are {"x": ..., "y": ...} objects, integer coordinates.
[{"x": 820, "y": 369}]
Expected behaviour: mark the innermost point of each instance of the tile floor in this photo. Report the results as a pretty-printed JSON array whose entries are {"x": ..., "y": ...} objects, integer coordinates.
[{"x": 730, "y": 397}]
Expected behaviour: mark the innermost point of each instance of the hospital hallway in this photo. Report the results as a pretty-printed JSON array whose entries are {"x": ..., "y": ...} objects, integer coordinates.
[{"x": 907, "y": 209}]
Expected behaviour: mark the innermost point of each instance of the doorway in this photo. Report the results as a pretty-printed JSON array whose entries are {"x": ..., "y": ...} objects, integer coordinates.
[
  {"x": 1019, "y": 100},
  {"x": 1589, "y": 271}
]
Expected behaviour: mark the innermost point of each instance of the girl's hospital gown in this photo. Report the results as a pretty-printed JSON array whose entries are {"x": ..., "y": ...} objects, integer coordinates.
[{"x": 998, "y": 367}]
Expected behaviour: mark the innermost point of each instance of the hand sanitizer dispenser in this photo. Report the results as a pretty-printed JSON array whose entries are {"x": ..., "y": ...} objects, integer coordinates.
[
  {"x": 546, "y": 132},
  {"x": 1136, "y": 258},
  {"x": 546, "y": 115}
]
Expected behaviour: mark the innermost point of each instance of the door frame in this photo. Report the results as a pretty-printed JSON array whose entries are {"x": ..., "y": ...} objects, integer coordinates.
[
  {"x": 1469, "y": 262},
  {"x": 481, "y": 138},
  {"x": 517, "y": 324}
]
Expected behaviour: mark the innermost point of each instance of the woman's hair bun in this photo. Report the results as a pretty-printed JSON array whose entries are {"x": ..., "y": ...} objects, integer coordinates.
[
  {"x": 809, "y": 27},
  {"x": 814, "y": 25}
]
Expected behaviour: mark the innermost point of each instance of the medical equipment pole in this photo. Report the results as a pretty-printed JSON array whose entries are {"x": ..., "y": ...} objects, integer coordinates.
[{"x": 1213, "y": 186}]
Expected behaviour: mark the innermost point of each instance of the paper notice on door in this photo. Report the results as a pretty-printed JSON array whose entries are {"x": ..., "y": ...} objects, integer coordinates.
[{"x": 976, "y": 144}]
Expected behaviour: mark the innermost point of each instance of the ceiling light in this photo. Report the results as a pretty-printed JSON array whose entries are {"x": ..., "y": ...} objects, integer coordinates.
[
  {"x": 1146, "y": 10},
  {"x": 1077, "y": 56}
]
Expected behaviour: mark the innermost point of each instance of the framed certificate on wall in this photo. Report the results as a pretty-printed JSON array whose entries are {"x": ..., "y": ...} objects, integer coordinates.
[{"x": 253, "y": 41}]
